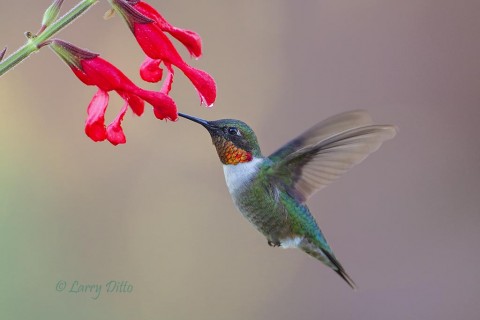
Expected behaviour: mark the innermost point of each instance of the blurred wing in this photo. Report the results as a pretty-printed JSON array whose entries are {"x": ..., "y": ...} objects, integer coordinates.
[
  {"x": 326, "y": 151},
  {"x": 323, "y": 130}
]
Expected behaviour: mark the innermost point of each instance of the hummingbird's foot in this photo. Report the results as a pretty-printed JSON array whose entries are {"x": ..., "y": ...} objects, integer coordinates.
[{"x": 274, "y": 244}]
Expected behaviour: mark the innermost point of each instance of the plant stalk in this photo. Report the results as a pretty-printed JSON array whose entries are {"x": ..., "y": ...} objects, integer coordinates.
[{"x": 34, "y": 42}]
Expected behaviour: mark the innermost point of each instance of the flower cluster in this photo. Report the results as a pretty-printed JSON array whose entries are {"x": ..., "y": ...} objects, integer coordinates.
[{"x": 149, "y": 28}]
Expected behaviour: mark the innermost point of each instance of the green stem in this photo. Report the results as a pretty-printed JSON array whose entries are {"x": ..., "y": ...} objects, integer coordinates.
[{"x": 33, "y": 43}]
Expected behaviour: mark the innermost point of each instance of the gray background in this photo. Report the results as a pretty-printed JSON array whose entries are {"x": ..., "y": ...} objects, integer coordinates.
[{"x": 156, "y": 213}]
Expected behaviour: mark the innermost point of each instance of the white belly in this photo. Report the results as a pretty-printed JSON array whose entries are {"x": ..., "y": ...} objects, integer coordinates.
[{"x": 290, "y": 242}]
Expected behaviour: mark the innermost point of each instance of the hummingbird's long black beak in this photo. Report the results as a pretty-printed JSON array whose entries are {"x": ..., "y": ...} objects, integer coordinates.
[{"x": 204, "y": 123}]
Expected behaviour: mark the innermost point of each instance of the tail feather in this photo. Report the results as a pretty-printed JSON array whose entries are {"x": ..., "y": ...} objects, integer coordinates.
[
  {"x": 329, "y": 259},
  {"x": 340, "y": 270}
]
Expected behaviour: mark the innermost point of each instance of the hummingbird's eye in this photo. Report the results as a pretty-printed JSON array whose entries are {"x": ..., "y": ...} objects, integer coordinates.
[{"x": 233, "y": 131}]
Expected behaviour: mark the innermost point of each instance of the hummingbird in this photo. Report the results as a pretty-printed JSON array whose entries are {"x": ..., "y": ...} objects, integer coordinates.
[{"x": 271, "y": 192}]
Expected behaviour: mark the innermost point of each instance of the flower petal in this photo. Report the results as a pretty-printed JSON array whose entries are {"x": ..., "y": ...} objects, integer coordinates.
[
  {"x": 105, "y": 75},
  {"x": 150, "y": 70},
  {"x": 95, "y": 123},
  {"x": 115, "y": 131},
  {"x": 190, "y": 39},
  {"x": 160, "y": 114},
  {"x": 167, "y": 84},
  {"x": 155, "y": 43},
  {"x": 135, "y": 102},
  {"x": 163, "y": 106},
  {"x": 203, "y": 82}
]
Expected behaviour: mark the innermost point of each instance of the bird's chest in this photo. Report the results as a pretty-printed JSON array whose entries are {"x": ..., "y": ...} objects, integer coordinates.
[
  {"x": 239, "y": 177},
  {"x": 254, "y": 198},
  {"x": 246, "y": 187}
]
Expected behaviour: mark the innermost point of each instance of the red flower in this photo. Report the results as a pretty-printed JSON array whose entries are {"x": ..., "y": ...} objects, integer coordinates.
[
  {"x": 190, "y": 39},
  {"x": 93, "y": 70},
  {"x": 148, "y": 27}
]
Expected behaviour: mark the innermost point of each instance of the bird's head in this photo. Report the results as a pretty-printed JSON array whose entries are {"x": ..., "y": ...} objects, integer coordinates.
[{"x": 234, "y": 140}]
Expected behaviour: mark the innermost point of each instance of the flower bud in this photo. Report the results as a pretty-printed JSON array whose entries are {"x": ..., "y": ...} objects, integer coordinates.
[
  {"x": 2, "y": 53},
  {"x": 50, "y": 15}
]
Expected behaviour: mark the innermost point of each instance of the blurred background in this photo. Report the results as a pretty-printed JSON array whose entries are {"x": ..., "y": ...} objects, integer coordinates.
[{"x": 156, "y": 212}]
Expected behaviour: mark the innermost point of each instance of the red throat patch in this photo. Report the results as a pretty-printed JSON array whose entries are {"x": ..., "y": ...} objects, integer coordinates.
[{"x": 230, "y": 154}]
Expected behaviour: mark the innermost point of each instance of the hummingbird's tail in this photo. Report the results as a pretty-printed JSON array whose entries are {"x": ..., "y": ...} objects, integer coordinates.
[
  {"x": 340, "y": 270},
  {"x": 327, "y": 258}
]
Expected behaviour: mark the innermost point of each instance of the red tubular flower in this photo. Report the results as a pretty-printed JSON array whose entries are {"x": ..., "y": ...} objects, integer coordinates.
[
  {"x": 190, "y": 39},
  {"x": 95, "y": 71},
  {"x": 148, "y": 27}
]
